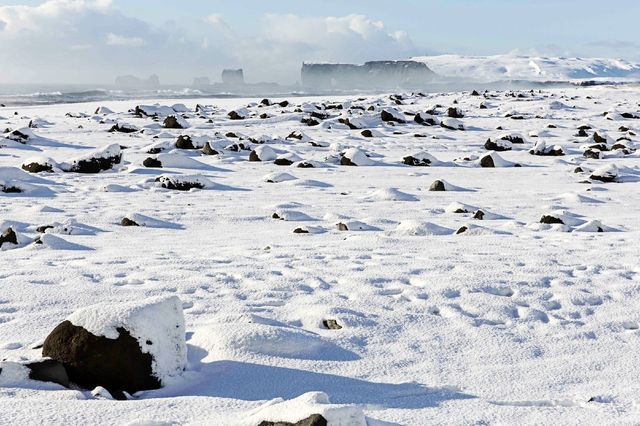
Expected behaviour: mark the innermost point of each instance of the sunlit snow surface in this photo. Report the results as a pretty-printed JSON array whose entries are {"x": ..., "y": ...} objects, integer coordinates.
[{"x": 513, "y": 321}]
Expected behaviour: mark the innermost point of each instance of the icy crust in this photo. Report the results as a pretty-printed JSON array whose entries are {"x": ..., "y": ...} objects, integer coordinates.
[
  {"x": 157, "y": 324},
  {"x": 294, "y": 410}
]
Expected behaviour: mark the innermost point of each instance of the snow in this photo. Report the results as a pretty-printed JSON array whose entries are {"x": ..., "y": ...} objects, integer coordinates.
[
  {"x": 517, "y": 67},
  {"x": 512, "y": 321},
  {"x": 157, "y": 324}
]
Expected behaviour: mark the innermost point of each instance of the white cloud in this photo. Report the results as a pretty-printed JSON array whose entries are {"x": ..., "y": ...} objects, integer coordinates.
[
  {"x": 118, "y": 40},
  {"x": 92, "y": 41}
]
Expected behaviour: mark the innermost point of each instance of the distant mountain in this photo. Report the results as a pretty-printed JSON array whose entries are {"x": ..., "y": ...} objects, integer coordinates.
[{"x": 513, "y": 67}]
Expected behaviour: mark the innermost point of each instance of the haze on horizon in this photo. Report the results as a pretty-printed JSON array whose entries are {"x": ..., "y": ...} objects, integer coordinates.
[{"x": 93, "y": 41}]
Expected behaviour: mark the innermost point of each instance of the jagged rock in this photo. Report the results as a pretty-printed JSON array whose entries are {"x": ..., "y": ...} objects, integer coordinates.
[
  {"x": 184, "y": 142},
  {"x": 516, "y": 139},
  {"x": 172, "y": 122},
  {"x": 152, "y": 163},
  {"x": 8, "y": 236},
  {"x": 475, "y": 93}
]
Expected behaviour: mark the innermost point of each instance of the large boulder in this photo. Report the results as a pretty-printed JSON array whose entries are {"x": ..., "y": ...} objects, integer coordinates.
[{"x": 127, "y": 347}]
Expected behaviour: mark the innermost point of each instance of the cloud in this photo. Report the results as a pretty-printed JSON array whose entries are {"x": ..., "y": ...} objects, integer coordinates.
[
  {"x": 92, "y": 41},
  {"x": 118, "y": 40}
]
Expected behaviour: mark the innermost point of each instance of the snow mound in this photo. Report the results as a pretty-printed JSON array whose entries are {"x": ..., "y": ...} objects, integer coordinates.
[
  {"x": 390, "y": 194},
  {"x": 159, "y": 320},
  {"x": 294, "y": 410},
  {"x": 412, "y": 227}
]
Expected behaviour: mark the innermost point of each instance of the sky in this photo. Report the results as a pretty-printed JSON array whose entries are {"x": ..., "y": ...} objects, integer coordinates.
[{"x": 93, "y": 41}]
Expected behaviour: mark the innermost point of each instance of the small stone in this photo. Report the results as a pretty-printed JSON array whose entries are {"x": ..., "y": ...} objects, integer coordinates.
[{"x": 128, "y": 222}]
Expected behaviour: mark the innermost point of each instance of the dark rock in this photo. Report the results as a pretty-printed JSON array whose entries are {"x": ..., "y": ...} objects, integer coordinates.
[
  {"x": 282, "y": 162},
  {"x": 152, "y": 163},
  {"x": 300, "y": 231},
  {"x": 344, "y": 161},
  {"x": 295, "y": 135},
  {"x": 341, "y": 226},
  {"x": 479, "y": 214},
  {"x": 437, "y": 185},
  {"x": 122, "y": 128},
  {"x": 412, "y": 161},
  {"x": 367, "y": 133},
  {"x": 493, "y": 146},
  {"x": 591, "y": 153},
  {"x": 8, "y": 236},
  {"x": 284, "y": 104},
  {"x": 310, "y": 121},
  {"x": 331, "y": 324},
  {"x": 265, "y": 102},
  {"x": 599, "y": 139},
  {"x": 551, "y": 219},
  {"x": 313, "y": 420},
  {"x": 305, "y": 165},
  {"x": 231, "y": 135},
  {"x": 388, "y": 117},
  {"x": 604, "y": 178},
  {"x": 623, "y": 129},
  {"x": 264, "y": 116},
  {"x": 578, "y": 170},
  {"x": 184, "y": 142},
  {"x": 253, "y": 156},
  {"x": 42, "y": 229},
  {"x": 18, "y": 136},
  {"x": 582, "y": 133},
  {"x": 168, "y": 183},
  {"x": 49, "y": 370},
  {"x": 10, "y": 189},
  {"x": 96, "y": 164},
  {"x": 37, "y": 167},
  {"x": 347, "y": 123},
  {"x": 90, "y": 361},
  {"x": 128, "y": 222},
  {"x": 475, "y": 93},
  {"x": 487, "y": 161},
  {"x": 513, "y": 139},
  {"x": 208, "y": 150},
  {"x": 454, "y": 113},
  {"x": 233, "y": 115},
  {"x": 171, "y": 122},
  {"x": 461, "y": 230}
]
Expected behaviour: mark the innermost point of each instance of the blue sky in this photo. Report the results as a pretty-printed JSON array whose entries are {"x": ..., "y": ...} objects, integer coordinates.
[{"x": 76, "y": 40}]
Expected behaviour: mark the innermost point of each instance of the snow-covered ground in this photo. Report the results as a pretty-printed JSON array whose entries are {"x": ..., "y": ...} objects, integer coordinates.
[
  {"x": 512, "y": 321},
  {"x": 518, "y": 67}
]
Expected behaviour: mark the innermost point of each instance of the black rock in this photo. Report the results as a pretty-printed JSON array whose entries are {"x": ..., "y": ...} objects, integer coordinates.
[
  {"x": 284, "y": 104},
  {"x": 582, "y": 133},
  {"x": 171, "y": 122},
  {"x": 461, "y": 230},
  {"x": 36, "y": 167},
  {"x": 551, "y": 219},
  {"x": 90, "y": 360},
  {"x": 313, "y": 420},
  {"x": 412, "y": 161},
  {"x": 367, "y": 133},
  {"x": 305, "y": 165},
  {"x": 282, "y": 162},
  {"x": 513, "y": 139},
  {"x": 8, "y": 236},
  {"x": 310, "y": 121},
  {"x": 479, "y": 214},
  {"x": 128, "y": 222},
  {"x": 344, "y": 161},
  {"x": 152, "y": 163},
  {"x": 168, "y": 183},
  {"x": 388, "y": 117},
  {"x": 487, "y": 161},
  {"x": 233, "y": 115},
  {"x": 454, "y": 113},
  {"x": 300, "y": 231},
  {"x": 184, "y": 142},
  {"x": 96, "y": 164},
  {"x": 122, "y": 129},
  {"x": 591, "y": 153},
  {"x": 208, "y": 150},
  {"x": 493, "y": 146},
  {"x": 599, "y": 139},
  {"x": 10, "y": 189},
  {"x": 231, "y": 135},
  {"x": 49, "y": 370}
]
